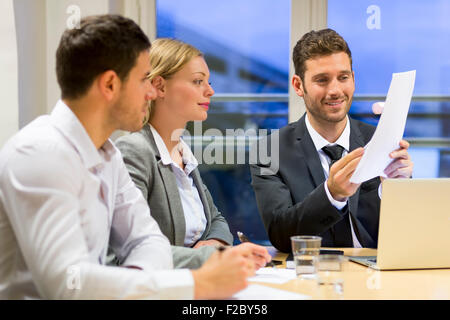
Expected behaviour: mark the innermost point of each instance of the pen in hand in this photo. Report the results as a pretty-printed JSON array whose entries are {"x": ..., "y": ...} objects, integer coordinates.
[{"x": 243, "y": 238}]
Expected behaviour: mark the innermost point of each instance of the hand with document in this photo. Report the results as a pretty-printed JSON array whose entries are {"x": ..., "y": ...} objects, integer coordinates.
[
  {"x": 386, "y": 154},
  {"x": 383, "y": 147}
]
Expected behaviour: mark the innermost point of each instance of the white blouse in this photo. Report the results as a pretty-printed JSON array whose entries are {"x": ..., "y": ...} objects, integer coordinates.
[{"x": 194, "y": 213}]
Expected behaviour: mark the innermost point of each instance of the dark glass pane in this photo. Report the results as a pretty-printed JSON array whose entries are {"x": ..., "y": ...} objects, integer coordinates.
[
  {"x": 243, "y": 57},
  {"x": 244, "y": 115},
  {"x": 234, "y": 197},
  {"x": 228, "y": 176},
  {"x": 425, "y": 119}
]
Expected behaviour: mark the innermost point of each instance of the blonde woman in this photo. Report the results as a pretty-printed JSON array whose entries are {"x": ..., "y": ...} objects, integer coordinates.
[{"x": 162, "y": 165}]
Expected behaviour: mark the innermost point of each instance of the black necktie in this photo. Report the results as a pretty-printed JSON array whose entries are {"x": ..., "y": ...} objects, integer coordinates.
[
  {"x": 341, "y": 231},
  {"x": 333, "y": 152}
]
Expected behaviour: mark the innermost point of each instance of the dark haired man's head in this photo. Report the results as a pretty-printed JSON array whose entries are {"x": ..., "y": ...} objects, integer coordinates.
[
  {"x": 102, "y": 43},
  {"x": 324, "y": 78},
  {"x": 316, "y": 44}
]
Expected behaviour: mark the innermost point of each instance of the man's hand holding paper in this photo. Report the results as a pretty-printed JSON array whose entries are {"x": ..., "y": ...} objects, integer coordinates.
[
  {"x": 401, "y": 166},
  {"x": 338, "y": 182},
  {"x": 381, "y": 149}
]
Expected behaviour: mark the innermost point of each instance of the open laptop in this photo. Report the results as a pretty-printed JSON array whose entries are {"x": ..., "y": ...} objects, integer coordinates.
[{"x": 414, "y": 230}]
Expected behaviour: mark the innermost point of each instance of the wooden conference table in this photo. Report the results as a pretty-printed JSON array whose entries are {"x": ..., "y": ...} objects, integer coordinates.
[{"x": 363, "y": 283}]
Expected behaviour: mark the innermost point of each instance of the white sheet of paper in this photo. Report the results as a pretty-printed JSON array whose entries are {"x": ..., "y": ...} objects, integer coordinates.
[
  {"x": 290, "y": 264},
  {"x": 260, "y": 292},
  {"x": 273, "y": 275},
  {"x": 390, "y": 128}
]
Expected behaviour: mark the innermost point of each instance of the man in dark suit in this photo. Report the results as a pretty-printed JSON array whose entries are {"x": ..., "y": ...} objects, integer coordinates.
[{"x": 305, "y": 189}]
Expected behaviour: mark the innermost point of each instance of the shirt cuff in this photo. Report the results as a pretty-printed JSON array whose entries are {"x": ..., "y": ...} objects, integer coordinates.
[
  {"x": 175, "y": 284},
  {"x": 337, "y": 204},
  {"x": 379, "y": 190}
]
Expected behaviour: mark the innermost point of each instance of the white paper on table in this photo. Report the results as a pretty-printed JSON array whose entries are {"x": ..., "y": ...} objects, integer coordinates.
[
  {"x": 260, "y": 292},
  {"x": 290, "y": 264},
  {"x": 273, "y": 275},
  {"x": 390, "y": 129}
]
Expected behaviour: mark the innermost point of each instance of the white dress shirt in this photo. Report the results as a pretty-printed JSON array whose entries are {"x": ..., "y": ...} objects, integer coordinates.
[
  {"x": 62, "y": 202},
  {"x": 194, "y": 213},
  {"x": 319, "y": 143}
]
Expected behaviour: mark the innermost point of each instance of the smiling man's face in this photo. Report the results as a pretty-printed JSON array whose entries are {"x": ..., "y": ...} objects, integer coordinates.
[{"x": 327, "y": 88}]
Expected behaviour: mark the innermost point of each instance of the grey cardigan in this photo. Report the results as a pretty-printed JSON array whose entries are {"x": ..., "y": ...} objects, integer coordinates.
[{"x": 158, "y": 185}]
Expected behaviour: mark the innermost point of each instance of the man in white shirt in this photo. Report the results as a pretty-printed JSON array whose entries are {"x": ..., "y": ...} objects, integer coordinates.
[
  {"x": 66, "y": 196},
  {"x": 311, "y": 194}
]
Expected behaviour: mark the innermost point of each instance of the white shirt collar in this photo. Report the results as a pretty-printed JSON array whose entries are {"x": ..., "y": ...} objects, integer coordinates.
[
  {"x": 188, "y": 157},
  {"x": 320, "y": 142},
  {"x": 67, "y": 122}
]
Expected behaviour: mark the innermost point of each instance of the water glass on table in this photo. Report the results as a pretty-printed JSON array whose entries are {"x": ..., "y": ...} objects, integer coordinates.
[
  {"x": 330, "y": 276},
  {"x": 305, "y": 250}
]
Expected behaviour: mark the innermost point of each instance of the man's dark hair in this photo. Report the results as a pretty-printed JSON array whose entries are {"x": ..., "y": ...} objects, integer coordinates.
[
  {"x": 316, "y": 44},
  {"x": 105, "y": 42}
]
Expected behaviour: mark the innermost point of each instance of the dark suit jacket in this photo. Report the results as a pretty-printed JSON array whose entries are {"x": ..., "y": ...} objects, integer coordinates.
[{"x": 292, "y": 200}]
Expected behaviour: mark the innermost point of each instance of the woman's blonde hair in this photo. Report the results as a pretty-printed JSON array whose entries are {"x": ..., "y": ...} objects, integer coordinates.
[{"x": 167, "y": 57}]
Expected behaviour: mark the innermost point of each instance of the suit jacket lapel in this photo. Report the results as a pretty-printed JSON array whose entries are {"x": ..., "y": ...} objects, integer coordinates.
[
  {"x": 356, "y": 137},
  {"x": 199, "y": 184},
  {"x": 309, "y": 152},
  {"x": 174, "y": 200},
  {"x": 356, "y": 141},
  {"x": 173, "y": 196}
]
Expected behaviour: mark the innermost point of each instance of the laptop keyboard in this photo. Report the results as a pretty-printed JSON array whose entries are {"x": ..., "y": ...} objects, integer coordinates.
[{"x": 372, "y": 260}]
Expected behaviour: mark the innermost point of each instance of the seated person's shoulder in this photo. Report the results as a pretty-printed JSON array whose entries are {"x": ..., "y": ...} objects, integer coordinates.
[
  {"x": 38, "y": 139},
  {"x": 364, "y": 127},
  {"x": 133, "y": 143},
  {"x": 281, "y": 134},
  {"x": 39, "y": 155}
]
